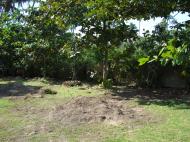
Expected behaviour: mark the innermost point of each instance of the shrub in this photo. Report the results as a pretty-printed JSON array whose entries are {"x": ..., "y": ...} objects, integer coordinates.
[
  {"x": 48, "y": 91},
  {"x": 107, "y": 83}
]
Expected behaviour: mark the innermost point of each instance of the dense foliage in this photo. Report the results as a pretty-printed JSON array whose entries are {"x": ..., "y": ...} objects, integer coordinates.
[{"x": 44, "y": 41}]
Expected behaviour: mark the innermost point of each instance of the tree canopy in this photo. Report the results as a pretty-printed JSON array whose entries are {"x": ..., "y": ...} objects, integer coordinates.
[
  {"x": 10, "y": 4},
  {"x": 44, "y": 41}
]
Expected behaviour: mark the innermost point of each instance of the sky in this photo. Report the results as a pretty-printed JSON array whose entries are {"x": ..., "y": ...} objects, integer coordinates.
[{"x": 150, "y": 24}]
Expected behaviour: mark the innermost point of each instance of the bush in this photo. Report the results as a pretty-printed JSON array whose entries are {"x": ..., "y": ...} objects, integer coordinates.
[
  {"x": 48, "y": 91},
  {"x": 107, "y": 83}
]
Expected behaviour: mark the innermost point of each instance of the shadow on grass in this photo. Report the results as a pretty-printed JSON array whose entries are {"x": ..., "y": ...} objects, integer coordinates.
[
  {"x": 17, "y": 88},
  {"x": 178, "y": 99},
  {"x": 49, "y": 81}
]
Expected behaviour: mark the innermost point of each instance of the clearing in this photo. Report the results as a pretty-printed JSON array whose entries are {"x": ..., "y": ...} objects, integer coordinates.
[{"x": 89, "y": 113}]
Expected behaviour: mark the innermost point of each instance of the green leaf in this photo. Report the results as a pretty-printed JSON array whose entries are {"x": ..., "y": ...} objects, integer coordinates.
[
  {"x": 161, "y": 51},
  {"x": 171, "y": 48},
  {"x": 1, "y": 42},
  {"x": 167, "y": 54},
  {"x": 143, "y": 61}
]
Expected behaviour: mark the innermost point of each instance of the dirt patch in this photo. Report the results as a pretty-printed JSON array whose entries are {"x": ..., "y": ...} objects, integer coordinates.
[
  {"x": 79, "y": 112},
  {"x": 108, "y": 109}
]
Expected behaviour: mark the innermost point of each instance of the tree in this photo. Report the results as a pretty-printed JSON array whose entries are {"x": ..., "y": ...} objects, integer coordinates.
[
  {"x": 100, "y": 28},
  {"x": 148, "y": 8},
  {"x": 45, "y": 41},
  {"x": 10, "y": 4}
]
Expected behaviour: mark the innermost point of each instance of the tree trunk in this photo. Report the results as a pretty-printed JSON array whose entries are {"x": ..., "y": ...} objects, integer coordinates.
[
  {"x": 105, "y": 54},
  {"x": 105, "y": 65},
  {"x": 74, "y": 68}
]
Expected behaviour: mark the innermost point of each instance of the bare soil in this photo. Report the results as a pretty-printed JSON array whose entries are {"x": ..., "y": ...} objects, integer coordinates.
[{"x": 108, "y": 109}]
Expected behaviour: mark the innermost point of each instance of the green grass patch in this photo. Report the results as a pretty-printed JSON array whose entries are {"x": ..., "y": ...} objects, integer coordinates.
[
  {"x": 20, "y": 125},
  {"x": 5, "y": 103},
  {"x": 174, "y": 128}
]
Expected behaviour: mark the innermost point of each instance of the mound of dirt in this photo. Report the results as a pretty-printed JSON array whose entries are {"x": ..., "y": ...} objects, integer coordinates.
[{"x": 108, "y": 109}]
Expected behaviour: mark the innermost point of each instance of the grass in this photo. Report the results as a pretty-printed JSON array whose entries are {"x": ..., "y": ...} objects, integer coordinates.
[
  {"x": 174, "y": 123},
  {"x": 4, "y": 103},
  {"x": 174, "y": 128}
]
